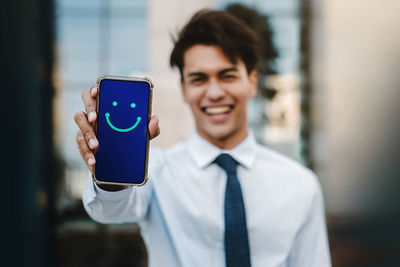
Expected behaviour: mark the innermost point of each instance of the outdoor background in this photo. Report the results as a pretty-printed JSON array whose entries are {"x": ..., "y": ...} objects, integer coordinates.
[{"x": 328, "y": 97}]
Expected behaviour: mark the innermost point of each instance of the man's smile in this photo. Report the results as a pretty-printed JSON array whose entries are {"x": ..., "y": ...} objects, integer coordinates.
[{"x": 217, "y": 110}]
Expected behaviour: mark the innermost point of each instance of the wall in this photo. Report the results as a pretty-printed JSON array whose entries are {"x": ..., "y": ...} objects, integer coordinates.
[{"x": 356, "y": 61}]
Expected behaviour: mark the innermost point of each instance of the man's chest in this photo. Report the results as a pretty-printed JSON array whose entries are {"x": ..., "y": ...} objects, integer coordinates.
[{"x": 192, "y": 204}]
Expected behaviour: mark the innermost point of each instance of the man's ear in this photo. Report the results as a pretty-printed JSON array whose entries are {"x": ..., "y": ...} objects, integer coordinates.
[
  {"x": 183, "y": 91},
  {"x": 253, "y": 77}
]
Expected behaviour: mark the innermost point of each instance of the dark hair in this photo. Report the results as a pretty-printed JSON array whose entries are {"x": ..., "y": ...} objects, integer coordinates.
[
  {"x": 219, "y": 28},
  {"x": 261, "y": 26}
]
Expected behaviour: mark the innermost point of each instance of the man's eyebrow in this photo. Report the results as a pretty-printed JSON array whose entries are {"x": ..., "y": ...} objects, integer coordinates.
[
  {"x": 191, "y": 74},
  {"x": 227, "y": 70},
  {"x": 221, "y": 72}
]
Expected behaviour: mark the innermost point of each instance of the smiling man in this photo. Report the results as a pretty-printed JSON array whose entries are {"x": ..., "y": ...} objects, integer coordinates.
[
  {"x": 217, "y": 92},
  {"x": 218, "y": 198}
]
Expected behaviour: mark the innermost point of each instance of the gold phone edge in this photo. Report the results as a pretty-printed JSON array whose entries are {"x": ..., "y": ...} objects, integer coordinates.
[{"x": 135, "y": 79}]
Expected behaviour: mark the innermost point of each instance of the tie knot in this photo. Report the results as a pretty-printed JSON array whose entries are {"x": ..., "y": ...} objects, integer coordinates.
[{"x": 226, "y": 162}]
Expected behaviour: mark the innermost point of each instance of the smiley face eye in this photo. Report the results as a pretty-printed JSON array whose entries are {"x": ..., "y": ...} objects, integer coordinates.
[{"x": 115, "y": 103}]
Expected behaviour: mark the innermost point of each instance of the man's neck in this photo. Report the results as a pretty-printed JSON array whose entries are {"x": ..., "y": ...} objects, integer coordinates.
[{"x": 227, "y": 142}]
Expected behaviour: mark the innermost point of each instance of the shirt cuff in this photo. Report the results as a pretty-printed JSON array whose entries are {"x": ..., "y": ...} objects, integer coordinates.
[{"x": 111, "y": 195}]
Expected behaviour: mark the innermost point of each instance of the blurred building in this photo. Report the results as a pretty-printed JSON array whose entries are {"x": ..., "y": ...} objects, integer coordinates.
[{"x": 355, "y": 149}]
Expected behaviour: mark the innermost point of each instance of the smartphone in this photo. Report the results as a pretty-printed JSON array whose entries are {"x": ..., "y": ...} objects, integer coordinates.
[{"x": 123, "y": 113}]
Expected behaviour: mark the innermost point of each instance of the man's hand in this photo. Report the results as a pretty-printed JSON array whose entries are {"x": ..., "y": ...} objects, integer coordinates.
[{"x": 86, "y": 138}]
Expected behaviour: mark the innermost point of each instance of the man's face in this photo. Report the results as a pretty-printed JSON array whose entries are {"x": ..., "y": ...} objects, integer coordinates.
[{"x": 217, "y": 91}]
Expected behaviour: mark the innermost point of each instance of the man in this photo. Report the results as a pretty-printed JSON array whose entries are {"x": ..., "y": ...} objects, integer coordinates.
[{"x": 218, "y": 198}]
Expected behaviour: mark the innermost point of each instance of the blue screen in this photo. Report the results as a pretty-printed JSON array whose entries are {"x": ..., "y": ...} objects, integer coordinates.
[{"x": 122, "y": 131}]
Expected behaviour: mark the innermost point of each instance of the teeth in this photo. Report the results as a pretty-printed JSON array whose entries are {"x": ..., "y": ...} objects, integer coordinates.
[{"x": 217, "y": 110}]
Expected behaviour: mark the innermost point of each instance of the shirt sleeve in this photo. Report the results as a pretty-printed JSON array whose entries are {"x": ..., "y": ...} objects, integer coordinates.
[
  {"x": 310, "y": 247},
  {"x": 128, "y": 205}
]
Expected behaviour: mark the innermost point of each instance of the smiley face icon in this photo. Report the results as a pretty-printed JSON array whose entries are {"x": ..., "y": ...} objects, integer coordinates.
[{"x": 107, "y": 115}]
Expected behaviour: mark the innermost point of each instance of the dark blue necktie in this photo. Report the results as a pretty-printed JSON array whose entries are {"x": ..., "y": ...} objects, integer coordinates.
[{"x": 237, "y": 250}]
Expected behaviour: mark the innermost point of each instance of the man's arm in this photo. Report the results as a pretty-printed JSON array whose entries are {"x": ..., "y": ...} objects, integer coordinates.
[
  {"x": 126, "y": 205},
  {"x": 310, "y": 248},
  {"x": 108, "y": 203}
]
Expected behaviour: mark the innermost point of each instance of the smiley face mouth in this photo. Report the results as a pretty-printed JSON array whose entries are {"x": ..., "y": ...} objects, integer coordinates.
[{"x": 119, "y": 129}]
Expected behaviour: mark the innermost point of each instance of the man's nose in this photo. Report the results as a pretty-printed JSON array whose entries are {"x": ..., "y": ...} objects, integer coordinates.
[{"x": 215, "y": 91}]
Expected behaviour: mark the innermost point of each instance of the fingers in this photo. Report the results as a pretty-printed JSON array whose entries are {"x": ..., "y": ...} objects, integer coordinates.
[
  {"x": 89, "y": 100},
  {"x": 93, "y": 91},
  {"x": 154, "y": 128},
  {"x": 86, "y": 129},
  {"x": 86, "y": 138},
  {"x": 86, "y": 153}
]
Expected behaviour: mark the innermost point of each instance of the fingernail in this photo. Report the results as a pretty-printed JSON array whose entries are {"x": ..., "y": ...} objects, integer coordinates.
[
  {"x": 92, "y": 143},
  {"x": 92, "y": 116},
  {"x": 90, "y": 161},
  {"x": 93, "y": 90}
]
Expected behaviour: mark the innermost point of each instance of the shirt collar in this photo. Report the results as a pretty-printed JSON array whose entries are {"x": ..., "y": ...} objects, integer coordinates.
[{"x": 204, "y": 153}]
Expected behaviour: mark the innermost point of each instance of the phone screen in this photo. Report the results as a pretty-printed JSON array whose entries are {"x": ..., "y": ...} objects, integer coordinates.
[{"x": 123, "y": 110}]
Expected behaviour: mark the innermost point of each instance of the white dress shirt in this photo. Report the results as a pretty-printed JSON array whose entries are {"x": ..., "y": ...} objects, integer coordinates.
[{"x": 181, "y": 208}]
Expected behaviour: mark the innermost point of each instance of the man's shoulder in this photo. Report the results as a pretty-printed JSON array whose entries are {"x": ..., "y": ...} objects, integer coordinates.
[
  {"x": 267, "y": 154},
  {"x": 175, "y": 151},
  {"x": 177, "y": 148},
  {"x": 286, "y": 168}
]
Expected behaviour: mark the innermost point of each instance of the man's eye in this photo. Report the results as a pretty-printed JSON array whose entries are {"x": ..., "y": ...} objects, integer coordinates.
[
  {"x": 229, "y": 77},
  {"x": 197, "y": 80}
]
